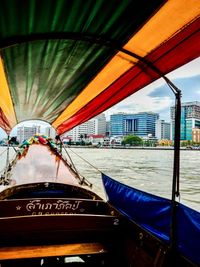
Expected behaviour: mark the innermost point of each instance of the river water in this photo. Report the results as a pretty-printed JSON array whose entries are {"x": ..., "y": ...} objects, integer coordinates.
[{"x": 147, "y": 170}]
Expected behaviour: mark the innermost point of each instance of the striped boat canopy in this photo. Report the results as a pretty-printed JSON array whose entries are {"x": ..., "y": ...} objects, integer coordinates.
[{"x": 66, "y": 61}]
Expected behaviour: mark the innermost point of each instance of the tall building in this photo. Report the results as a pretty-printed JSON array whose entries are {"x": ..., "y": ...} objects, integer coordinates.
[
  {"x": 95, "y": 126},
  {"x": 141, "y": 124},
  {"x": 50, "y": 132},
  {"x": 107, "y": 128},
  {"x": 25, "y": 132},
  {"x": 117, "y": 124},
  {"x": 76, "y": 133},
  {"x": 100, "y": 124},
  {"x": 190, "y": 119},
  {"x": 162, "y": 130}
]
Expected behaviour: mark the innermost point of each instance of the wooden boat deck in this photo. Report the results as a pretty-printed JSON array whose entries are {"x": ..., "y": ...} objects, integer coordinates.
[{"x": 28, "y": 252}]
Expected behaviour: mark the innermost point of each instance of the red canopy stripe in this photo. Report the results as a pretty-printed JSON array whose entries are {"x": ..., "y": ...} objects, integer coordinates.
[
  {"x": 182, "y": 48},
  {"x": 4, "y": 122}
]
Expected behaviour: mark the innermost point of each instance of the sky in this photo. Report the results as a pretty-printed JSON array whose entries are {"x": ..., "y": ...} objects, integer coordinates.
[{"x": 156, "y": 97}]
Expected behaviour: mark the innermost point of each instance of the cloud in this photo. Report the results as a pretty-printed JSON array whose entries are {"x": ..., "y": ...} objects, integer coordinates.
[
  {"x": 188, "y": 70},
  {"x": 33, "y": 122},
  {"x": 142, "y": 102},
  {"x": 162, "y": 91},
  {"x": 158, "y": 97},
  {"x": 189, "y": 86}
]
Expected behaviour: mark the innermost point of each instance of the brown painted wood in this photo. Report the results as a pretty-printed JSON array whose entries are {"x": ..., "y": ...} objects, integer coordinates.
[
  {"x": 55, "y": 229},
  {"x": 52, "y": 206},
  {"x": 10, "y": 253}
]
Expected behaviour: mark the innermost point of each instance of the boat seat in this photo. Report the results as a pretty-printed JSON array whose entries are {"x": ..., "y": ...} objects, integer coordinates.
[
  {"x": 28, "y": 252},
  {"x": 56, "y": 229}
]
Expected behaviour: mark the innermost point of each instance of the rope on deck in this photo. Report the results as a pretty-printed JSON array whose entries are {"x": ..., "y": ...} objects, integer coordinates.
[
  {"x": 82, "y": 179},
  {"x": 85, "y": 160}
]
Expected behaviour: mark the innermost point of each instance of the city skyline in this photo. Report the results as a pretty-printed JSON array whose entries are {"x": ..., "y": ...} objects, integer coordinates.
[
  {"x": 143, "y": 124},
  {"x": 155, "y": 97}
]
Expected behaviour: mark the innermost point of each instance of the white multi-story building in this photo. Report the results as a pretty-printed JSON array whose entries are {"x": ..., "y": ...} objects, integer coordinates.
[
  {"x": 95, "y": 126},
  {"x": 107, "y": 128},
  {"x": 92, "y": 126},
  {"x": 101, "y": 124},
  {"x": 50, "y": 132},
  {"x": 77, "y": 132},
  {"x": 25, "y": 132},
  {"x": 162, "y": 130}
]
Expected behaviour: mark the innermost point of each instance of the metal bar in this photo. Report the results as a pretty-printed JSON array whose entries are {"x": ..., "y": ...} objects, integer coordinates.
[
  {"x": 7, "y": 157},
  {"x": 176, "y": 168},
  {"x": 91, "y": 38}
]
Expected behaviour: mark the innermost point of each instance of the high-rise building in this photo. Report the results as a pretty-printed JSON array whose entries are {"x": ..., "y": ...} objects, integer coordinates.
[
  {"x": 190, "y": 119},
  {"x": 107, "y": 128},
  {"x": 95, "y": 126},
  {"x": 25, "y": 132},
  {"x": 162, "y": 130},
  {"x": 100, "y": 124},
  {"x": 50, "y": 132},
  {"x": 117, "y": 124},
  {"x": 141, "y": 124},
  {"x": 77, "y": 132}
]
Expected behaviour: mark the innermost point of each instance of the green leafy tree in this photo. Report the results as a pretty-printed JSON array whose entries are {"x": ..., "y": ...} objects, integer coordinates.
[
  {"x": 69, "y": 142},
  {"x": 132, "y": 140},
  {"x": 82, "y": 141}
]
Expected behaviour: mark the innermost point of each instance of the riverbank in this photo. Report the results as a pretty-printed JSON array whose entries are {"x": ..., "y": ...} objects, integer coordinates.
[
  {"x": 134, "y": 147},
  {"x": 126, "y": 147}
]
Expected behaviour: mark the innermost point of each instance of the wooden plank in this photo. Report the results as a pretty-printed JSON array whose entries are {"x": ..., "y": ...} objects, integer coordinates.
[
  {"x": 11, "y": 253},
  {"x": 55, "y": 229}
]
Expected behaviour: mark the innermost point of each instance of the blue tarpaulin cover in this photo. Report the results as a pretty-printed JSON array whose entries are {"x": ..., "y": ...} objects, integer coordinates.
[
  {"x": 154, "y": 214},
  {"x": 188, "y": 232}
]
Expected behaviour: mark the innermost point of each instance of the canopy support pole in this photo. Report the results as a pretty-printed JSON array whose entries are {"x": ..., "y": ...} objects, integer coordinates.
[
  {"x": 176, "y": 166},
  {"x": 7, "y": 157},
  {"x": 176, "y": 169}
]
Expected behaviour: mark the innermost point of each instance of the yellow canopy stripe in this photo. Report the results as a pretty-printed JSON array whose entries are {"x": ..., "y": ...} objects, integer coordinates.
[{"x": 5, "y": 98}]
